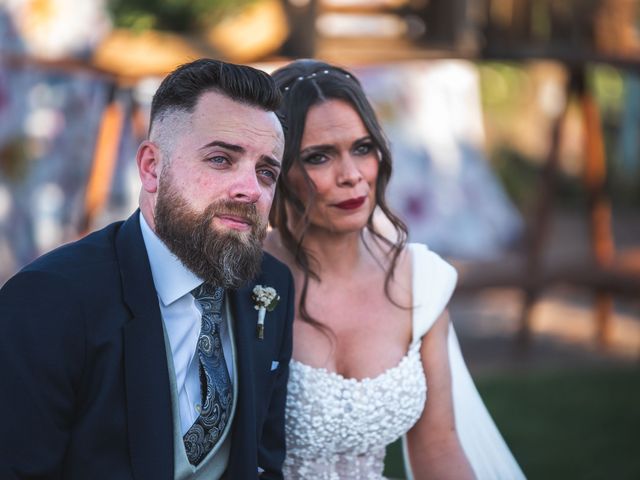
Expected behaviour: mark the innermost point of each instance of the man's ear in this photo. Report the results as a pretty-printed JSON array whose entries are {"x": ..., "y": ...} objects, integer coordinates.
[{"x": 149, "y": 165}]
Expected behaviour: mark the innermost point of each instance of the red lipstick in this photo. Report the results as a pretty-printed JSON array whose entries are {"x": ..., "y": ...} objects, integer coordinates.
[{"x": 352, "y": 203}]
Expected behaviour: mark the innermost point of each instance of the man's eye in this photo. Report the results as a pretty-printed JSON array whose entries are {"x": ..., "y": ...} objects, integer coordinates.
[
  {"x": 218, "y": 159},
  {"x": 269, "y": 175}
]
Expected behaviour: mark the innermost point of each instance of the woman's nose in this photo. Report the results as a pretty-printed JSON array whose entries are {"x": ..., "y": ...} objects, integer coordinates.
[{"x": 349, "y": 173}]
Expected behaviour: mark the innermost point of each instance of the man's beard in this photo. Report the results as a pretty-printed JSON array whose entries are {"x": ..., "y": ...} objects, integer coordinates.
[{"x": 228, "y": 259}]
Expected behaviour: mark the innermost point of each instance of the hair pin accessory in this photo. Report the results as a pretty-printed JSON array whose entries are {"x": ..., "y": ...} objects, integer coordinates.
[{"x": 313, "y": 75}]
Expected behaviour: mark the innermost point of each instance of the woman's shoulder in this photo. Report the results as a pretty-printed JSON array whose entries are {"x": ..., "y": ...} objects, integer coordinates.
[
  {"x": 434, "y": 280},
  {"x": 423, "y": 258},
  {"x": 426, "y": 270}
]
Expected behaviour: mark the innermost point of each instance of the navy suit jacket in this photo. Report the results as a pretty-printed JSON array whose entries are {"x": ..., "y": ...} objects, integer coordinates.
[{"x": 84, "y": 388}]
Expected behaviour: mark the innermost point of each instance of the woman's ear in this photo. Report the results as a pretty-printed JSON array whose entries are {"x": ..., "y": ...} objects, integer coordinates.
[{"x": 149, "y": 165}]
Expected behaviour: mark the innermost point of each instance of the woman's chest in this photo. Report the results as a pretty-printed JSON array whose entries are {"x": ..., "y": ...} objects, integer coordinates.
[{"x": 359, "y": 342}]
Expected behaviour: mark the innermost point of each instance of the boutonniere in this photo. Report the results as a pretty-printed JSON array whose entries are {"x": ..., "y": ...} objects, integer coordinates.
[{"x": 265, "y": 300}]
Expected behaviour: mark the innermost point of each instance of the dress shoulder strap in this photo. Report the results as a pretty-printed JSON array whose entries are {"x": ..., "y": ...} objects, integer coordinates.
[{"x": 433, "y": 283}]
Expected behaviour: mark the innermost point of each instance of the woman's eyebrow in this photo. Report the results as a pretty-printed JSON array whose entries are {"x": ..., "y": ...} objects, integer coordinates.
[{"x": 318, "y": 148}]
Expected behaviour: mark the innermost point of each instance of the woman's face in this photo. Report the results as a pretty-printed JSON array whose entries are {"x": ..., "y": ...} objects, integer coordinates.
[{"x": 340, "y": 158}]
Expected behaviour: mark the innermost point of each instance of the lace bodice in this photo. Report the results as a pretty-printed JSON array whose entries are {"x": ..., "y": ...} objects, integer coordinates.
[{"x": 338, "y": 428}]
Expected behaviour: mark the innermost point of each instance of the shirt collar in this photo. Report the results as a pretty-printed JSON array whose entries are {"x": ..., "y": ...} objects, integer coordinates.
[{"x": 171, "y": 278}]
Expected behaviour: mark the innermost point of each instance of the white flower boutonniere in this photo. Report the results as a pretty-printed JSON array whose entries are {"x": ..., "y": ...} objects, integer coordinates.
[{"x": 265, "y": 300}]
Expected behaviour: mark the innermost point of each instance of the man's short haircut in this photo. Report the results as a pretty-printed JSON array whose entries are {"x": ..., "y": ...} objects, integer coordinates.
[{"x": 182, "y": 88}]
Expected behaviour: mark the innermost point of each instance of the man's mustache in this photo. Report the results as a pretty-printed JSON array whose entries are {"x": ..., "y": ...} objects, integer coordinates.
[{"x": 246, "y": 211}]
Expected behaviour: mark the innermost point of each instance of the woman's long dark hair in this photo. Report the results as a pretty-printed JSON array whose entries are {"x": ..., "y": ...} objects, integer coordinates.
[{"x": 304, "y": 84}]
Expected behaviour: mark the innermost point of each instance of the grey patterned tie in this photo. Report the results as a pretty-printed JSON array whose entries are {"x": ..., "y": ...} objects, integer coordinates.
[{"x": 217, "y": 394}]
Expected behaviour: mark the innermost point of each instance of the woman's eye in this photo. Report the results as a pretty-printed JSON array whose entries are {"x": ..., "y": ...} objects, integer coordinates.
[
  {"x": 363, "y": 149},
  {"x": 315, "y": 158}
]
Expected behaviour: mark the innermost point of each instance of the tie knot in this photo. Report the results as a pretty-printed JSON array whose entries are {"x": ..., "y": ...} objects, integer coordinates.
[{"x": 209, "y": 297}]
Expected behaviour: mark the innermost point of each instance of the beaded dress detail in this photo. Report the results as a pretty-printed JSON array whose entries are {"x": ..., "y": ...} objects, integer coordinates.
[{"x": 338, "y": 428}]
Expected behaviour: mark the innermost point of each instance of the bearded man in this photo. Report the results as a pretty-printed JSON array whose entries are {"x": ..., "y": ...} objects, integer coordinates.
[{"x": 136, "y": 352}]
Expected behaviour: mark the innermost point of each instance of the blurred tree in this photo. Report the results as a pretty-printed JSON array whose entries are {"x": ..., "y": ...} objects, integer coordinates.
[
  {"x": 174, "y": 15},
  {"x": 569, "y": 29}
]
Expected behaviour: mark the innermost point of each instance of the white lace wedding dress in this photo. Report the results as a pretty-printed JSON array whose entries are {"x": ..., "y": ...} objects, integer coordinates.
[{"x": 338, "y": 428}]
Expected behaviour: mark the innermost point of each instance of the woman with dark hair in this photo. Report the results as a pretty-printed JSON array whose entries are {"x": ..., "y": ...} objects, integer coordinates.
[{"x": 371, "y": 331}]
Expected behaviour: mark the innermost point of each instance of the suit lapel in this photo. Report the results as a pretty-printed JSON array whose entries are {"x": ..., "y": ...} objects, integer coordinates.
[
  {"x": 145, "y": 363},
  {"x": 243, "y": 442}
]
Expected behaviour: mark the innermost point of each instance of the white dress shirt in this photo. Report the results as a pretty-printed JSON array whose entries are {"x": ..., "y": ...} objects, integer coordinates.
[{"x": 182, "y": 316}]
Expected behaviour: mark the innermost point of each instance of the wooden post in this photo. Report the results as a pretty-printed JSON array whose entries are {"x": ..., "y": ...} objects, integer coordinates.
[
  {"x": 104, "y": 162},
  {"x": 595, "y": 172},
  {"x": 538, "y": 226}
]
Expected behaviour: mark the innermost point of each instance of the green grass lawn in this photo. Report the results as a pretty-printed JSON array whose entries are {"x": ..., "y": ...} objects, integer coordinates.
[{"x": 564, "y": 425}]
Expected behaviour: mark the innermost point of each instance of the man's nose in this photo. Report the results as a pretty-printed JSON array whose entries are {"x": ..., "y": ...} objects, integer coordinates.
[{"x": 246, "y": 186}]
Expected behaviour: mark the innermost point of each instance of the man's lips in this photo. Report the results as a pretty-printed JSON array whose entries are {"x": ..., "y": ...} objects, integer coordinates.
[
  {"x": 352, "y": 203},
  {"x": 235, "y": 222}
]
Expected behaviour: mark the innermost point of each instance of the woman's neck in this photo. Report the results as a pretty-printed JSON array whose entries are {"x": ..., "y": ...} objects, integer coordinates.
[{"x": 337, "y": 254}]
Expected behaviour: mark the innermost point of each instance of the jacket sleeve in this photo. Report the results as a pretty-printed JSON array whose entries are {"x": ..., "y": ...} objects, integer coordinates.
[
  {"x": 42, "y": 357},
  {"x": 272, "y": 449}
]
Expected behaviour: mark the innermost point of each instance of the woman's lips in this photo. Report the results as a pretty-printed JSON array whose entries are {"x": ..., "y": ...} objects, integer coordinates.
[{"x": 351, "y": 204}]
